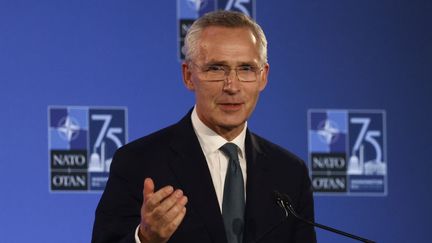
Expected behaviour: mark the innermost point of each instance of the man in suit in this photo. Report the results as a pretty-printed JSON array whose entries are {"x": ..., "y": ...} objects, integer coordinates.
[{"x": 208, "y": 178}]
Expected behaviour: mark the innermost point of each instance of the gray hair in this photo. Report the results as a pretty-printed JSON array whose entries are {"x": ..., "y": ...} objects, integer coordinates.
[{"x": 222, "y": 18}]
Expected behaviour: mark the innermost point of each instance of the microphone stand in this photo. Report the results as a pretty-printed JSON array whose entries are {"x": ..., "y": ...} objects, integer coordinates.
[{"x": 285, "y": 203}]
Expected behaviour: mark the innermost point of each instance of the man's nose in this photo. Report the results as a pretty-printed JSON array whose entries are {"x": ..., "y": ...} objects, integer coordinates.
[{"x": 232, "y": 83}]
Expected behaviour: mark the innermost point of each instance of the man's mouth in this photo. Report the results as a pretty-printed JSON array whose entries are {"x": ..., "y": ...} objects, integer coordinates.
[{"x": 230, "y": 106}]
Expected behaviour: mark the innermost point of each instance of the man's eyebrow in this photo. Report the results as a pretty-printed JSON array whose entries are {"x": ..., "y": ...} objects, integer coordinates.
[
  {"x": 219, "y": 63},
  {"x": 247, "y": 64},
  {"x": 224, "y": 63}
]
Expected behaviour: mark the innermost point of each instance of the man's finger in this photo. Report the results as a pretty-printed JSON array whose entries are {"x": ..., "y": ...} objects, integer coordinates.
[
  {"x": 176, "y": 209},
  {"x": 167, "y": 205},
  {"x": 177, "y": 221},
  {"x": 148, "y": 188},
  {"x": 156, "y": 198}
]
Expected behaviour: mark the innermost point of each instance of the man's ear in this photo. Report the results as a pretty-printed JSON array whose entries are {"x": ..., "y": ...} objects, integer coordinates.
[
  {"x": 187, "y": 76},
  {"x": 264, "y": 77}
]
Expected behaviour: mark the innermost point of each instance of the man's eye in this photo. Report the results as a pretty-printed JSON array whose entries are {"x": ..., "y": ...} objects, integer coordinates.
[
  {"x": 247, "y": 68},
  {"x": 214, "y": 68}
]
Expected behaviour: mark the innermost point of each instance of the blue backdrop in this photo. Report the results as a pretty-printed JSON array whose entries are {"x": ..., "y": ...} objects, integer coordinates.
[{"x": 323, "y": 54}]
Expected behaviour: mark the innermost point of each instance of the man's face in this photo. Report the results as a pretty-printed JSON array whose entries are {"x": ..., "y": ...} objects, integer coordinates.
[{"x": 224, "y": 106}]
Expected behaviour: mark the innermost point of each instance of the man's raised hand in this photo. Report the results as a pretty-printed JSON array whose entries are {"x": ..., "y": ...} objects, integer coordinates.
[{"x": 161, "y": 212}]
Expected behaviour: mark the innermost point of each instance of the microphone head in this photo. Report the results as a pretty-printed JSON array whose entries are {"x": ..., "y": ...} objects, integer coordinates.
[
  {"x": 277, "y": 195},
  {"x": 282, "y": 197}
]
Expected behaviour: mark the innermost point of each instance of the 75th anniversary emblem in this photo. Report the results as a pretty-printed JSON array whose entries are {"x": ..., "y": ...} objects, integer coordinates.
[
  {"x": 82, "y": 142},
  {"x": 347, "y": 152}
]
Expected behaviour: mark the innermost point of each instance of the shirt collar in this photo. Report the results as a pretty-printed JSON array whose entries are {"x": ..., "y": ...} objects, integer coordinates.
[{"x": 210, "y": 141}]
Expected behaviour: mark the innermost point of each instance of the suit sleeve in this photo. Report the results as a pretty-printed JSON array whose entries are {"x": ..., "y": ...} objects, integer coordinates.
[{"x": 118, "y": 211}]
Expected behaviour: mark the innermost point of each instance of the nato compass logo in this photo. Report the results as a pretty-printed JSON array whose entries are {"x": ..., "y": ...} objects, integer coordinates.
[
  {"x": 82, "y": 142},
  {"x": 347, "y": 151},
  {"x": 190, "y": 10}
]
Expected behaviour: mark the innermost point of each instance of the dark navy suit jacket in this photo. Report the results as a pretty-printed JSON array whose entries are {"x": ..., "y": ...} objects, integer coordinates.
[{"x": 173, "y": 156}]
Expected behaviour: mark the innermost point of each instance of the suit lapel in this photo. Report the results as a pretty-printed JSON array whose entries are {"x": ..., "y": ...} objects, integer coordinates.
[
  {"x": 261, "y": 210},
  {"x": 190, "y": 166}
]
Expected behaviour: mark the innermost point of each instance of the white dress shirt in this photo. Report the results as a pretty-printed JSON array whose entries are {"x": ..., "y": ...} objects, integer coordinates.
[{"x": 217, "y": 161}]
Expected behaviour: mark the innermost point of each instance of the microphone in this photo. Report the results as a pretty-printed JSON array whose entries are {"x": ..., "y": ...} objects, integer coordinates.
[{"x": 284, "y": 201}]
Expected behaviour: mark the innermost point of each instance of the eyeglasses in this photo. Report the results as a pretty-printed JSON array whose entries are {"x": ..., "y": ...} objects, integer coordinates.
[{"x": 216, "y": 72}]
